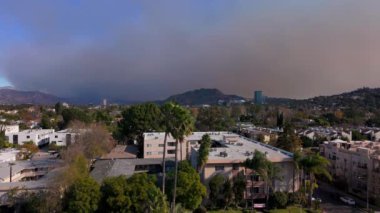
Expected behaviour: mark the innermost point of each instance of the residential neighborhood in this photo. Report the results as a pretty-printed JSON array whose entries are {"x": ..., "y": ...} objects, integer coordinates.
[{"x": 190, "y": 106}]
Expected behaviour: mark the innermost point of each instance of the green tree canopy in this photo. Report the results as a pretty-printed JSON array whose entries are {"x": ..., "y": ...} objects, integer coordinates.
[
  {"x": 138, "y": 194},
  {"x": 239, "y": 187},
  {"x": 214, "y": 119},
  {"x": 190, "y": 190},
  {"x": 216, "y": 189},
  {"x": 265, "y": 168},
  {"x": 313, "y": 165},
  {"x": 138, "y": 119},
  {"x": 204, "y": 150},
  {"x": 58, "y": 108},
  {"x": 82, "y": 197},
  {"x": 75, "y": 114},
  {"x": 288, "y": 139}
]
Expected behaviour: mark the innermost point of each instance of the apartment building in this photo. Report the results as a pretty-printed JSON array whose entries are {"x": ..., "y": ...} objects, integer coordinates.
[
  {"x": 37, "y": 136},
  {"x": 154, "y": 144},
  {"x": 228, "y": 153},
  {"x": 329, "y": 133},
  {"x": 227, "y": 157},
  {"x": 63, "y": 137},
  {"x": 357, "y": 164},
  {"x": 372, "y": 133},
  {"x": 8, "y": 129}
]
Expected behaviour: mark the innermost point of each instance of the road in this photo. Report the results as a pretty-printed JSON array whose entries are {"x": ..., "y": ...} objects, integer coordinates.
[{"x": 331, "y": 202}]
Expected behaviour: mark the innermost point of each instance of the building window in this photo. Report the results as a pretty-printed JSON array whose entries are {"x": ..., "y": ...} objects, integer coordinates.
[
  {"x": 149, "y": 145},
  {"x": 160, "y": 153},
  {"x": 171, "y": 151},
  {"x": 255, "y": 177},
  {"x": 56, "y": 136},
  {"x": 255, "y": 190},
  {"x": 219, "y": 168},
  {"x": 149, "y": 153},
  {"x": 27, "y": 136},
  {"x": 160, "y": 145},
  {"x": 235, "y": 166},
  {"x": 171, "y": 143}
]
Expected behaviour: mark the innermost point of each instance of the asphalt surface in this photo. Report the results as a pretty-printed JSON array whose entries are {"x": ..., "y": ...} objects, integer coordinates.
[{"x": 331, "y": 200}]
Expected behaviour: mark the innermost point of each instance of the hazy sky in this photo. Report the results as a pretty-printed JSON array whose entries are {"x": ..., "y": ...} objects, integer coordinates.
[{"x": 144, "y": 50}]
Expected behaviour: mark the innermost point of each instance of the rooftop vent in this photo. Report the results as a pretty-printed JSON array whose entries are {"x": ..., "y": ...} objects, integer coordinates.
[{"x": 223, "y": 154}]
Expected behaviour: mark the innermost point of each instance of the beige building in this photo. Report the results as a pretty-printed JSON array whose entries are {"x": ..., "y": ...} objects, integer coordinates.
[
  {"x": 357, "y": 164},
  {"x": 228, "y": 153},
  {"x": 154, "y": 144}
]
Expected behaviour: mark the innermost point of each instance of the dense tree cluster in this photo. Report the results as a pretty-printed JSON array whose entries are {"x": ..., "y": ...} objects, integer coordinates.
[
  {"x": 135, "y": 194},
  {"x": 288, "y": 139},
  {"x": 190, "y": 190},
  {"x": 214, "y": 118}
]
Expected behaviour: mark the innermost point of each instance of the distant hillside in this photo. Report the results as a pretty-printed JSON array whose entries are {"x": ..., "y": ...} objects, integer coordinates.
[
  {"x": 360, "y": 98},
  {"x": 202, "y": 96},
  {"x": 11, "y": 96}
]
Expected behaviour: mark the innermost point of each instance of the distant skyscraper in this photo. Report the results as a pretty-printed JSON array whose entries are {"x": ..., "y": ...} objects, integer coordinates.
[
  {"x": 104, "y": 103},
  {"x": 259, "y": 97}
]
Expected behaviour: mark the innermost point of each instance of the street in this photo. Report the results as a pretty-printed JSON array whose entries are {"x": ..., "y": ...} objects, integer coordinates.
[{"x": 331, "y": 200}]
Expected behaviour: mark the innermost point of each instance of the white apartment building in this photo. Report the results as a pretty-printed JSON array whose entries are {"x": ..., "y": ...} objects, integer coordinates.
[
  {"x": 8, "y": 129},
  {"x": 356, "y": 163},
  {"x": 37, "y": 136},
  {"x": 8, "y": 155},
  {"x": 326, "y": 132},
  {"x": 63, "y": 137}
]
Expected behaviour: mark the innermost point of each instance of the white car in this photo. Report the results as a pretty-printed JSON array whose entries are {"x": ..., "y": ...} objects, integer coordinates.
[
  {"x": 348, "y": 200},
  {"x": 319, "y": 200}
]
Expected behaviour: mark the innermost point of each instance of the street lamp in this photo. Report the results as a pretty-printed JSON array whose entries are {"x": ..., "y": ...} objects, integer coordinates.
[{"x": 10, "y": 171}]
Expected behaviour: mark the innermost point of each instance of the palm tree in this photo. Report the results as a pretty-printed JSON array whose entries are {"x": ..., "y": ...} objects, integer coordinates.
[
  {"x": 315, "y": 165},
  {"x": 265, "y": 168},
  {"x": 183, "y": 124},
  {"x": 167, "y": 123},
  {"x": 296, "y": 168}
]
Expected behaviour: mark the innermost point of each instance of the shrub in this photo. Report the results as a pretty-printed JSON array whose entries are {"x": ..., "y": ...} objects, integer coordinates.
[
  {"x": 278, "y": 200},
  {"x": 296, "y": 198}
]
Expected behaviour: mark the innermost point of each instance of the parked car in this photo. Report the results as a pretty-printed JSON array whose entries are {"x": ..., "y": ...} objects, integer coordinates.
[
  {"x": 319, "y": 200},
  {"x": 348, "y": 200}
]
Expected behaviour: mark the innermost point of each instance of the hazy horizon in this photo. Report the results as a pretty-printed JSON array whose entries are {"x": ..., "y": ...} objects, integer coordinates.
[{"x": 138, "y": 50}]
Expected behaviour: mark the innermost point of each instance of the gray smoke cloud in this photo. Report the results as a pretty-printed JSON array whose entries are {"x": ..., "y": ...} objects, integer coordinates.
[{"x": 143, "y": 50}]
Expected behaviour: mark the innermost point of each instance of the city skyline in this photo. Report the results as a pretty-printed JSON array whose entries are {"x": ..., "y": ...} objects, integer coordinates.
[{"x": 143, "y": 51}]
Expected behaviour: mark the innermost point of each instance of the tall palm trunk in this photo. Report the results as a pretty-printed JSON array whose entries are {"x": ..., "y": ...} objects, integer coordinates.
[
  {"x": 180, "y": 147},
  {"x": 311, "y": 182},
  {"x": 294, "y": 177},
  {"x": 164, "y": 164},
  {"x": 268, "y": 194},
  {"x": 175, "y": 176}
]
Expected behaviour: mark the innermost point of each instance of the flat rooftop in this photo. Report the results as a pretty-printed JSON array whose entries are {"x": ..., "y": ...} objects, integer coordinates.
[
  {"x": 29, "y": 164},
  {"x": 236, "y": 152},
  {"x": 117, "y": 167},
  {"x": 244, "y": 148}
]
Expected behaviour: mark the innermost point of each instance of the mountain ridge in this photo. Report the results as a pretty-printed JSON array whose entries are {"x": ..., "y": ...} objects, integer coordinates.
[
  {"x": 10, "y": 96},
  {"x": 202, "y": 96}
]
